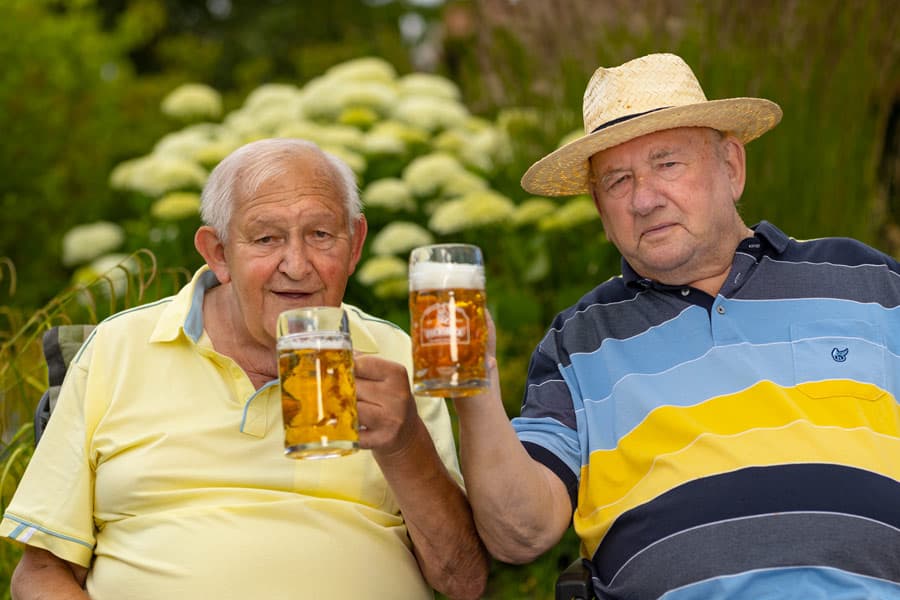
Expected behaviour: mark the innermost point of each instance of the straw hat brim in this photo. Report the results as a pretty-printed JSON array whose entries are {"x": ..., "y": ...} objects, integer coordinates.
[{"x": 564, "y": 172}]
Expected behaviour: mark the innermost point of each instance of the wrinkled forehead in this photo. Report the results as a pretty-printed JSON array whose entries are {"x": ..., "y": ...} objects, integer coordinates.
[{"x": 653, "y": 146}]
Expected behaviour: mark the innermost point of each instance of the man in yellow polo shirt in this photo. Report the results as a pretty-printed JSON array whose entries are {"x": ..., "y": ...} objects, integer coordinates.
[{"x": 161, "y": 473}]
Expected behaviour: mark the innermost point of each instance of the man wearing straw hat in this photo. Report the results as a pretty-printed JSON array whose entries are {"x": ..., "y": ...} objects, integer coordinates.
[{"x": 720, "y": 420}]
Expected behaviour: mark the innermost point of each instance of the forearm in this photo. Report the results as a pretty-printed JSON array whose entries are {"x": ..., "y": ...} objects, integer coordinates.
[
  {"x": 42, "y": 576},
  {"x": 521, "y": 508},
  {"x": 438, "y": 518}
]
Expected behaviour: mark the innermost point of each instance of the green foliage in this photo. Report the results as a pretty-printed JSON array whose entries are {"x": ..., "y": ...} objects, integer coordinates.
[
  {"x": 62, "y": 90},
  {"x": 23, "y": 372},
  {"x": 82, "y": 83}
]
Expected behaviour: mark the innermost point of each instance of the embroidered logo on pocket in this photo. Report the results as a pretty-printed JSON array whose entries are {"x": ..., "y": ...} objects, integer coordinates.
[{"x": 839, "y": 355}]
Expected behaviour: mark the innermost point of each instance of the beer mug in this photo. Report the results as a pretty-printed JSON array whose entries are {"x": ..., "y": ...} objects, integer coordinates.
[
  {"x": 318, "y": 388},
  {"x": 448, "y": 329}
]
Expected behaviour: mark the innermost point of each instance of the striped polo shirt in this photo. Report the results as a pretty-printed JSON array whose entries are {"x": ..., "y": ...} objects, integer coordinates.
[{"x": 733, "y": 446}]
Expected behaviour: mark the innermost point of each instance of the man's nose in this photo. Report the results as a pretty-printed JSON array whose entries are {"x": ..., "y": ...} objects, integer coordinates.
[
  {"x": 294, "y": 261},
  {"x": 646, "y": 196}
]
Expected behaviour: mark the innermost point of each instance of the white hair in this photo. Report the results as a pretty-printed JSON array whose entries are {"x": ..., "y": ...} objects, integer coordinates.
[{"x": 241, "y": 173}]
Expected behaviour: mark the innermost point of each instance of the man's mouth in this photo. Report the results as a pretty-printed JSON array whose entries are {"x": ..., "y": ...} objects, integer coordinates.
[{"x": 292, "y": 295}]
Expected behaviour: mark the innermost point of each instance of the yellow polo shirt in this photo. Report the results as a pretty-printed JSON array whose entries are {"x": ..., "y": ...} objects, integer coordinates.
[{"x": 162, "y": 470}]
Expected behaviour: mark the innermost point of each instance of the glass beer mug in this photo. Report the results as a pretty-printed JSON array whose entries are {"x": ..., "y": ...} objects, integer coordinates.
[
  {"x": 448, "y": 329},
  {"x": 318, "y": 387}
]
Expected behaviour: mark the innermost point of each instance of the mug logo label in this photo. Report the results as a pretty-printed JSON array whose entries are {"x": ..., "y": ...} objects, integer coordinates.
[{"x": 839, "y": 355}]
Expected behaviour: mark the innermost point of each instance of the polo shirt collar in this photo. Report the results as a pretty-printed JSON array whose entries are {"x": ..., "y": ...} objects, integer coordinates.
[
  {"x": 767, "y": 239},
  {"x": 184, "y": 314}
]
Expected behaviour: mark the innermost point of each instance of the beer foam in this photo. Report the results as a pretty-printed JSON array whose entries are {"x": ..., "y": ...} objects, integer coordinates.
[
  {"x": 438, "y": 276},
  {"x": 316, "y": 340}
]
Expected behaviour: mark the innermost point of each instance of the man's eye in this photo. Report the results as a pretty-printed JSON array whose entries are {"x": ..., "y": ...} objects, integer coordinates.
[
  {"x": 265, "y": 239},
  {"x": 321, "y": 239},
  {"x": 670, "y": 170},
  {"x": 617, "y": 183}
]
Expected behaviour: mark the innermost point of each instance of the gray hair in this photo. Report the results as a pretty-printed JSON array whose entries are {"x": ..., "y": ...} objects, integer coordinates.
[{"x": 241, "y": 173}]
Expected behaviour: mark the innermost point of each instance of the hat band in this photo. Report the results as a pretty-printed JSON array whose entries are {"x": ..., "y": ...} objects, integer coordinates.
[{"x": 626, "y": 118}]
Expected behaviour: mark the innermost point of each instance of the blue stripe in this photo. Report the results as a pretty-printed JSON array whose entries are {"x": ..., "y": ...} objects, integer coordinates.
[
  {"x": 27, "y": 524},
  {"x": 748, "y": 492},
  {"x": 790, "y": 583},
  {"x": 618, "y": 398}
]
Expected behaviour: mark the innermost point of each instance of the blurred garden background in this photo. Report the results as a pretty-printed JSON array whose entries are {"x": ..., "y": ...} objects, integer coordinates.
[{"x": 114, "y": 111}]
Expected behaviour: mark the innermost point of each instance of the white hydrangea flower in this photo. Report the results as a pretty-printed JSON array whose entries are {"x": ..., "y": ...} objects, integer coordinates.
[
  {"x": 382, "y": 143},
  {"x": 382, "y": 268},
  {"x": 213, "y": 152},
  {"x": 156, "y": 174},
  {"x": 409, "y": 134},
  {"x": 426, "y": 84},
  {"x": 321, "y": 98},
  {"x": 175, "y": 206},
  {"x": 367, "y": 68},
  {"x": 357, "y": 162},
  {"x": 273, "y": 94},
  {"x": 575, "y": 212},
  {"x": 483, "y": 149},
  {"x": 400, "y": 237},
  {"x": 361, "y": 117},
  {"x": 380, "y": 97},
  {"x": 463, "y": 183},
  {"x": 471, "y": 211},
  {"x": 533, "y": 210},
  {"x": 86, "y": 242},
  {"x": 243, "y": 124},
  {"x": 188, "y": 141},
  {"x": 332, "y": 136},
  {"x": 426, "y": 175},
  {"x": 390, "y": 193},
  {"x": 193, "y": 101},
  {"x": 269, "y": 117},
  {"x": 429, "y": 113}
]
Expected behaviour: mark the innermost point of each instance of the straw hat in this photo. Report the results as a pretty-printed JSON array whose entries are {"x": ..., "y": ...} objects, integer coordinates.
[{"x": 644, "y": 95}]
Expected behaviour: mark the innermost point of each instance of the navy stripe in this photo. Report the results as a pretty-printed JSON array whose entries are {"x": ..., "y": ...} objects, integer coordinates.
[
  {"x": 552, "y": 462},
  {"x": 748, "y": 492},
  {"x": 755, "y": 545}
]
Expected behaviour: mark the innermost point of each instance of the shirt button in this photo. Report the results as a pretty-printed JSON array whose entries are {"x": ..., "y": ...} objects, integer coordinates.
[
  {"x": 685, "y": 291},
  {"x": 720, "y": 309}
]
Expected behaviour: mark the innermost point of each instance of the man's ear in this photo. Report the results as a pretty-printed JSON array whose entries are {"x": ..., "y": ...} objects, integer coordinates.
[
  {"x": 735, "y": 158},
  {"x": 211, "y": 248},
  {"x": 592, "y": 185},
  {"x": 360, "y": 229}
]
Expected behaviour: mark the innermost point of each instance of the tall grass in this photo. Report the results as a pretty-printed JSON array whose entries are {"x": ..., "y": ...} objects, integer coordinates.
[{"x": 23, "y": 372}]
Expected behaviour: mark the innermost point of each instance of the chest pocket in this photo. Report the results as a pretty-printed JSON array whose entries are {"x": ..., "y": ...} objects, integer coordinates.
[{"x": 840, "y": 349}]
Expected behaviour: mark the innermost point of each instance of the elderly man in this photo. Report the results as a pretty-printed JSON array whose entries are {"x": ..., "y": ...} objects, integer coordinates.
[
  {"x": 722, "y": 418},
  {"x": 161, "y": 473}
]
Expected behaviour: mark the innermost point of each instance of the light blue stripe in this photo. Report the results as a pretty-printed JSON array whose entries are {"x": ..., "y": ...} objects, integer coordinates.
[
  {"x": 253, "y": 397},
  {"x": 790, "y": 583},
  {"x": 727, "y": 371},
  {"x": 617, "y": 399},
  {"x": 555, "y": 437},
  {"x": 693, "y": 333},
  {"x": 25, "y": 525}
]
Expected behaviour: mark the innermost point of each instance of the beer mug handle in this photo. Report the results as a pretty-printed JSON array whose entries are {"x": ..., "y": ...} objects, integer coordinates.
[{"x": 345, "y": 325}]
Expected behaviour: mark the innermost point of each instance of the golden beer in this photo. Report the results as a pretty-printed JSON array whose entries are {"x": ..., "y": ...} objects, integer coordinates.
[
  {"x": 448, "y": 329},
  {"x": 318, "y": 396}
]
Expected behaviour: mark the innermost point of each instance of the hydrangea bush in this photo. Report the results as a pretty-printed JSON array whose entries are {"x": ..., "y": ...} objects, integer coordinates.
[{"x": 428, "y": 170}]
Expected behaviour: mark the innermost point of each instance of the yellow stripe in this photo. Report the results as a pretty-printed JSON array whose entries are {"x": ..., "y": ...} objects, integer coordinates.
[{"x": 763, "y": 425}]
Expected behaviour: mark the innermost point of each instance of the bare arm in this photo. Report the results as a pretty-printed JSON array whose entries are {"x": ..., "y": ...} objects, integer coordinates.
[
  {"x": 41, "y": 575},
  {"x": 521, "y": 507},
  {"x": 437, "y": 513}
]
